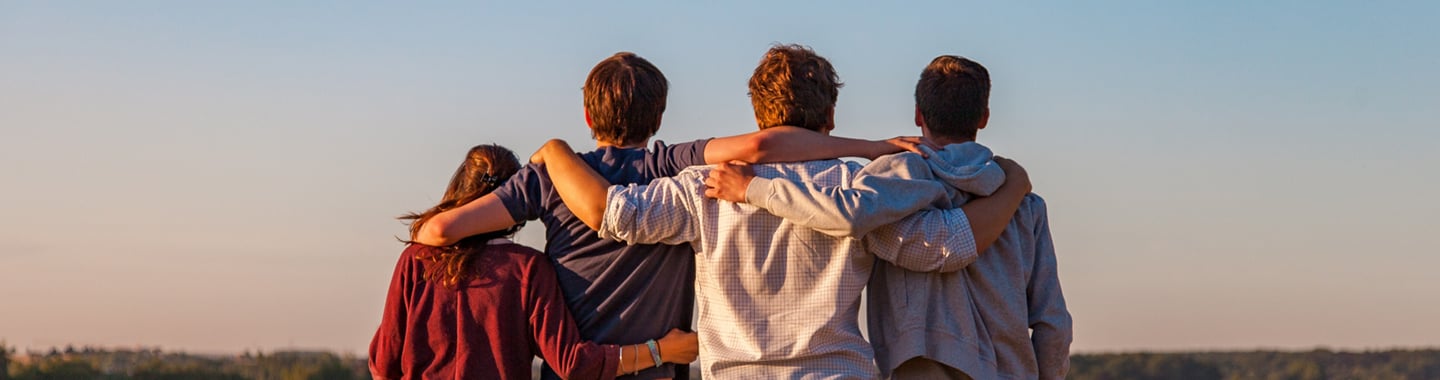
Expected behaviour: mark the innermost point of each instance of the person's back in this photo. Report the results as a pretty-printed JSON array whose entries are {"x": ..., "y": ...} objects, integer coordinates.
[
  {"x": 1006, "y": 307},
  {"x": 617, "y": 292},
  {"x": 787, "y": 308},
  {"x": 601, "y": 278},
  {"x": 476, "y": 330},
  {"x": 1003, "y": 316},
  {"x": 986, "y": 310}
]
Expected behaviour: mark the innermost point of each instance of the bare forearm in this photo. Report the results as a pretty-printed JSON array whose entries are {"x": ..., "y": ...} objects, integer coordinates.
[
  {"x": 631, "y": 360},
  {"x": 582, "y": 189},
  {"x": 638, "y": 357},
  {"x": 990, "y": 215},
  {"x": 482, "y": 215},
  {"x": 791, "y": 144}
]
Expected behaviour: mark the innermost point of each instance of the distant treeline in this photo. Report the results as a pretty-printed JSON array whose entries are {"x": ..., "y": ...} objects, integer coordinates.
[
  {"x": 1262, "y": 365},
  {"x": 154, "y": 364}
]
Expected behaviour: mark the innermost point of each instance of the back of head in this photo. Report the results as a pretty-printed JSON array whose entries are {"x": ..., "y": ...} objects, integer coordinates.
[
  {"x": 625, "y": 96},
  {"x": 484, "y": 169},
  {"x": 796, "y": 87},
  {"x": 953, "y": 96}
]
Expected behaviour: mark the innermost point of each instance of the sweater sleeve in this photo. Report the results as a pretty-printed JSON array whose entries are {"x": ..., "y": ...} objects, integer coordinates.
[
  {"x": 554, "y": 331},
  {"x": 1050, "y": 323},
  {"x": 885, "y": 191},
  {"x": 385, "y": 347}
]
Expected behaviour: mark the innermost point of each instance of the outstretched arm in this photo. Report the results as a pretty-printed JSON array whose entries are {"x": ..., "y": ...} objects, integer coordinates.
[
  {"x": 792, "y": 144},
  {"x": 858, "y": 210},
  {"x": 582, "y": 189},
  {"x": 640, "y": 214},
  {"x": 946, "y": 240},
  {"x": 477, "y": 217}
]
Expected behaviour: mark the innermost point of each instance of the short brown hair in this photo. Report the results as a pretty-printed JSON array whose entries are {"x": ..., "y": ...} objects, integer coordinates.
[
  {"x": 625, "y": 96},
  {"x": 953, "y": 96},
  {"x": 794, "y": 86}
]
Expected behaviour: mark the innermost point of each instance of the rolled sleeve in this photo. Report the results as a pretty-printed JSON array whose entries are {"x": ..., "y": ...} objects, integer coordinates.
[
  {"x": 910, "y": 242},
  {"x": 619, "y": 220},
  {"x": 658, "y": 213}
]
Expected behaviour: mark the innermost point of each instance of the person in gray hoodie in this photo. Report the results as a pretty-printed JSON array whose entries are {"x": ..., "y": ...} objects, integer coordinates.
[{"x": 997, "y": 315}]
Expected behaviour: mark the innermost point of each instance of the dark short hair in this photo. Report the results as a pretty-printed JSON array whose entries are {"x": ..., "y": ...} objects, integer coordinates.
[
  {"x": 625, "y": 95},
  {"x": 794, "y": 86},
  {"x": 953, "y": 96}
]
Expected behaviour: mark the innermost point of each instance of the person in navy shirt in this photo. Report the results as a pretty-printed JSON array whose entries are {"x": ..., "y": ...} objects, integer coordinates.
[{"x": 483, "y": 307}]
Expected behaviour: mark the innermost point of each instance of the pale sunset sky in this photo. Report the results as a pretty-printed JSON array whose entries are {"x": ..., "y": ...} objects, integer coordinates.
[{"x": 221, "y": 176}]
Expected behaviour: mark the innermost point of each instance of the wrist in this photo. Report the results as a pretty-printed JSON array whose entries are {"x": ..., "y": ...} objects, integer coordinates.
[
  {"x": 654, "y": 350},
  {"x": 878, "y": 148}
]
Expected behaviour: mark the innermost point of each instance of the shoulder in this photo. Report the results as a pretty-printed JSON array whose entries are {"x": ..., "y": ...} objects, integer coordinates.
[
  {"x": 1033, "y": 209},
  {"x": 414, "y": 250},
  {"x": 408, "y": 258},
  {"x": 660, "y": 146},
  {"x": 527, "y": 179},
  {"x": 532, "y": 263},
  {"x": 515, "y": 250},
  {"x": 1033, "y": 201},
  {"x": 689, "y": 177},
  {"x": 903, "y": 164}
]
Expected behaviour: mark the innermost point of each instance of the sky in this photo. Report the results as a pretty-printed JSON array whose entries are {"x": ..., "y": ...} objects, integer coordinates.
[{"x": 222, "y": 176}]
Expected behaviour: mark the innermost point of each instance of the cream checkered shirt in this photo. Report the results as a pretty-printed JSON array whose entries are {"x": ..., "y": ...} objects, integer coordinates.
[{"x": 776, "y": 300}]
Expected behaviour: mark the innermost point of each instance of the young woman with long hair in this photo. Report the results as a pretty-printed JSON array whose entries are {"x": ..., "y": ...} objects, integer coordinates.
[{"x": 485, "y": 306}]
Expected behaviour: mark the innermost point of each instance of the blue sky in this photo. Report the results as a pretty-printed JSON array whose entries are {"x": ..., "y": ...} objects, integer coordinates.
[{"x": 224, "y": 175}]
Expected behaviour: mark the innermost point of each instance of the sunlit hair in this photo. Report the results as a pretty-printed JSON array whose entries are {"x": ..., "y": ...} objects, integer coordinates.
[
  {"x": 625, "y": 95},
  {"x": 794, "y": 86},
  {"x": 484, "y": 169},
  {"x": 953, "y": 96}
]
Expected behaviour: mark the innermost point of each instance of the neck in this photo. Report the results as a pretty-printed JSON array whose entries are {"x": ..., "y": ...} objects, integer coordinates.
[
  {"x": 607, "y": 144},
  {"x": 946, "y": 140}
]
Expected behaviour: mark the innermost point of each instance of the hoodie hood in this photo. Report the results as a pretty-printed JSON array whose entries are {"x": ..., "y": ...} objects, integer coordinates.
[{"x": 967, "y": 167}]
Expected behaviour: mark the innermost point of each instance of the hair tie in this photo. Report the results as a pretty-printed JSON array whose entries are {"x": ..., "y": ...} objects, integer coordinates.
[{"x": 490, "y": 179}]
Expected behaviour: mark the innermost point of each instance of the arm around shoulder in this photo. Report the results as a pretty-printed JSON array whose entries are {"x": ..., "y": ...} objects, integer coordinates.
[
  {"x": 885, "y": 191},
  {"x": 486, "y": 214}
]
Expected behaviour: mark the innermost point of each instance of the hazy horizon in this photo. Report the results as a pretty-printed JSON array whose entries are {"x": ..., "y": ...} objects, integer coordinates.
[{"x": 214, "y": 177}]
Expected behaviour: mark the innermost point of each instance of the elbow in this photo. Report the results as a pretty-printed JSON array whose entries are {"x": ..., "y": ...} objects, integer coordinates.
[
  {"x": 433, "y": 233},
  {"x": 954, "y": 263},
  {"x": 592, "y": 222},
  {"x": 757, "y": 146}
]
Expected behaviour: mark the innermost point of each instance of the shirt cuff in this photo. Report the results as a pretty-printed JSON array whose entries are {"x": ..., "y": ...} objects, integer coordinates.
[
  {"x": 758, "y": 192},
  {"x": 962, "y": 241},
  {"x": 618, "y": 209}
]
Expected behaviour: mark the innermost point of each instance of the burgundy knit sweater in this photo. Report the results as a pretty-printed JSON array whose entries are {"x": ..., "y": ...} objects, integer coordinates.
[{"x": 489, "y": 327}]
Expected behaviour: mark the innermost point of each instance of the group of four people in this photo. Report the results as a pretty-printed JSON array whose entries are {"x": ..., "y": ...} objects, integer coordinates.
[{"x": 775, "y": 255}]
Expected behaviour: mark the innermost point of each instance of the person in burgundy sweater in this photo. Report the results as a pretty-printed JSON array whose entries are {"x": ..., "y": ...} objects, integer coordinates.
[{"x": 485, "y": 306}]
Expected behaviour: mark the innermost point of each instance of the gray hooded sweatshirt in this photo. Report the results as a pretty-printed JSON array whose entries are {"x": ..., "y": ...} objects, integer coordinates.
[{"x": 996, "y": 315}]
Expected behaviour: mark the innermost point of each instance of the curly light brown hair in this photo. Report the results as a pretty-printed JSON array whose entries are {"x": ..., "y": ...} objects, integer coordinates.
[{"x": 796, "y": 87}]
